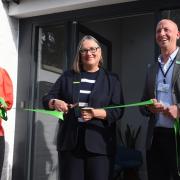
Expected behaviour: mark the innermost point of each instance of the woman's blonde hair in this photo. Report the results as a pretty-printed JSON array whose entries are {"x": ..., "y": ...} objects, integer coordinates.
[{"x": 77, "y": 64}]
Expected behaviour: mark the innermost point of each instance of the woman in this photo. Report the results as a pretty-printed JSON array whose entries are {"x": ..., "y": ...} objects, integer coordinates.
[
  {"x": 6, "y": 92},
  {"x": 86, "y": 139}
]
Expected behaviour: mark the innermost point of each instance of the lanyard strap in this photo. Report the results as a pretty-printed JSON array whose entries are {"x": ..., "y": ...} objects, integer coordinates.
[{"x": 165, "y": 73}]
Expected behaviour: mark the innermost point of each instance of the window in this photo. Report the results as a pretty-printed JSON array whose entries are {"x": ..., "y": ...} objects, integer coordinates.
[{"x": 52, "y": 48}]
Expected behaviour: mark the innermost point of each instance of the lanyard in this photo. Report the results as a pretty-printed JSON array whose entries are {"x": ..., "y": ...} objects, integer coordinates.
[{"x": 165, "y": 73}]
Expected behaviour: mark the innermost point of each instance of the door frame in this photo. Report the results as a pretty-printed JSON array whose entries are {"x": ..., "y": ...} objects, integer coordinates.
[{"x": 27, "y": 65}]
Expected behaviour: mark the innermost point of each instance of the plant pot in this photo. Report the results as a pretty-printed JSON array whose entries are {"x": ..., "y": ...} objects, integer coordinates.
[{"x": 131, "y": 174}]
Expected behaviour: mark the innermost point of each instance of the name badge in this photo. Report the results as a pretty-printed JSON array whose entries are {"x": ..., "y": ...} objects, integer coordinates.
[{"x": 163, "y": 87}]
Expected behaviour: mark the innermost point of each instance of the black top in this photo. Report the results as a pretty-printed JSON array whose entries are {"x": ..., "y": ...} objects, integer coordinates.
[{"x": 88, "y": 79}]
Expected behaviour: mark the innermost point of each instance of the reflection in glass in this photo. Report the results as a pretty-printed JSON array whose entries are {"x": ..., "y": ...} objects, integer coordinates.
[{"x": 52, "y": 48}]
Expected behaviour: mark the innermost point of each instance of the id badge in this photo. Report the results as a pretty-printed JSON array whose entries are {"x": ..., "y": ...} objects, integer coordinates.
[{"x": 163, "y": 87}]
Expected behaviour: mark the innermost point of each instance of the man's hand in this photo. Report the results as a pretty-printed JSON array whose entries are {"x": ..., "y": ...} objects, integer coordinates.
[
  {"x": 156, "y": 107},
  {"x": 171, "y": 111}
]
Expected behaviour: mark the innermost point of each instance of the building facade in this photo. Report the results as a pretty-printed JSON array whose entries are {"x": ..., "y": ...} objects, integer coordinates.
[{"x": 38, "y": 40}]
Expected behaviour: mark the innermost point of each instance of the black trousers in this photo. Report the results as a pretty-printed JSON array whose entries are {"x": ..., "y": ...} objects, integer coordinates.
[
  {"x": 161, "y": 158},
  {"x": 2, "y": 151},
  {"x": 80, "y": 164}
]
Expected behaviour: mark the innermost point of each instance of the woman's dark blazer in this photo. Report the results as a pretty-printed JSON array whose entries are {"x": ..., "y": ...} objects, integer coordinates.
[{"x": 100, "y": 135}]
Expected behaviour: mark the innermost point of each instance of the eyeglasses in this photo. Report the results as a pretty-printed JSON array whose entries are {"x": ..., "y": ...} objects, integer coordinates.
[{"x": 91, "y": 50}]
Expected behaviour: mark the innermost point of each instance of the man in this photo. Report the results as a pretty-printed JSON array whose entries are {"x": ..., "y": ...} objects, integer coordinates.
[
  {"x": 6, "y": 93},
  {"x": 163, "y": 86}
]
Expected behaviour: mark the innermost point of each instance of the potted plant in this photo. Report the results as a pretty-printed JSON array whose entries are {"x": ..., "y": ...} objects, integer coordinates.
[{"x": 128, "y": 159}]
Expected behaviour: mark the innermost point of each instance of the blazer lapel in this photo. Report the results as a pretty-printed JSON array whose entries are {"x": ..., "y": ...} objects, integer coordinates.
[
  {"x": 176, "y": 69},
  {"x": 153, "y": 73},
  {"x": 76, "y": 86}
]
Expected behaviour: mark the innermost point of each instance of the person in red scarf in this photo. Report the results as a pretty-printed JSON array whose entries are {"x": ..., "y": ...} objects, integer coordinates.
[{"x": 6, "y": 92}]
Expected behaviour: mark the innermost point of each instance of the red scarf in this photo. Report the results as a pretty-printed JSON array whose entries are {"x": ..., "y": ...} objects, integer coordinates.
[{"x": 6, "y": 92}]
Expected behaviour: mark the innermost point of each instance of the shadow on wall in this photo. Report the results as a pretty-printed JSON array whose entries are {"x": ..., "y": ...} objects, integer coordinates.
[
  {"x": 7, "y": 167},
  {"x": 44, "y": 169},
  {"x": 45, "y": 165}
]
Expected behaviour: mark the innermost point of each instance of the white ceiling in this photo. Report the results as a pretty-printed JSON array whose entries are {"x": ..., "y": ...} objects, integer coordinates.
[{"x": 29, "y": 8}]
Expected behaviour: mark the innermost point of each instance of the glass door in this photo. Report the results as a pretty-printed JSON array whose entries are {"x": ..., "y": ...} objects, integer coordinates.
[
  {"x": 51, "y": 63},
  {"x": 55, "y": 54}
]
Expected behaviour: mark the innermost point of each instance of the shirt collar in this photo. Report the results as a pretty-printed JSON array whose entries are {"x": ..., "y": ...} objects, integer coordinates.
[{"x": 171, "y": 57}]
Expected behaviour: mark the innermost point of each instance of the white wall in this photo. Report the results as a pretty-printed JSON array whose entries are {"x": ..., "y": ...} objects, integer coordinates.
[{"x": 9, "y": 61}]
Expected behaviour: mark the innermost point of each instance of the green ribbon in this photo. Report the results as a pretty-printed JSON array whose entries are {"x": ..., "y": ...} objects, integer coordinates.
[
  {"x": 143, "y": 103},
  {"x": 60, "y": 116},
  {"x": 54, "y": 113},
  {"x": 3, "y": 103},
  {"x": 177, "y": 139},
  {"x": 3, "y": 112}
]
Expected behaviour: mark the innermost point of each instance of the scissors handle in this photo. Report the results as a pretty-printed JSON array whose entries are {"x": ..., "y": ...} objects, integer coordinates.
[{"x": 71, "y": 106}]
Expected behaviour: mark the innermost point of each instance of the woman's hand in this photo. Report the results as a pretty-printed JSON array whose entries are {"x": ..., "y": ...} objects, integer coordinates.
[
  {"x": 88, "y": 113},
  {"x": 58, "y": 105}
]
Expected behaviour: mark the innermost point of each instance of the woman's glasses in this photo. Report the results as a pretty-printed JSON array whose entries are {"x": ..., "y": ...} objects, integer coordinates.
[{"x": 91, "y": 50}]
